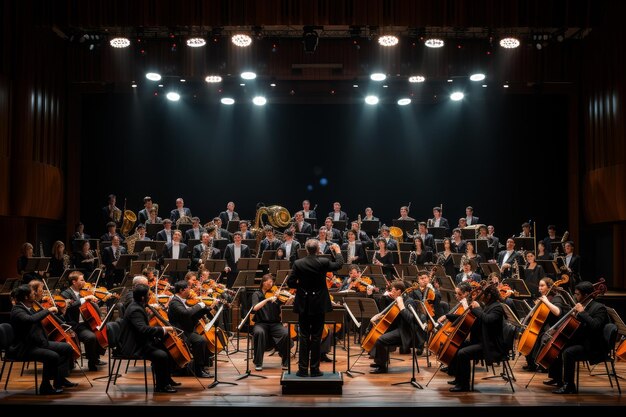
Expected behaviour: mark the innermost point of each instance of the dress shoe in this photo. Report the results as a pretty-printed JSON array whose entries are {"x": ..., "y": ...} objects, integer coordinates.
[
  {"x": 302, "y": 374},
  {"x": 316, "y": 372},
  {"x": 101, "y": 363},
  {"x": 567, "y": 388},
  {"x": 258, "y": 367},
  {"x": 453, "y": 382},
  {"x": 167, "y": 388},
  {"x": 554, "y": 382},
  {"x": 49, "y": 390},
  {"x": 444, "y": 369},
  {"x": 379, "y": 370},
  {"x": 529, "y": 368},
  {"x": 459, "y": 388},
  {"x": 66, "y": 384},
  {"x": 92, "y": 367},
  {"x": 374, "y": 365},
  {"x": 284, "y": 366},
  {"x": 174, "y": 383},
  {"x": 203, "y": 374},
  {"x": 325, "y": 358}
]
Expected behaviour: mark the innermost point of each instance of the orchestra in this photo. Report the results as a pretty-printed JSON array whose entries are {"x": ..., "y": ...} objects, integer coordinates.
[{"x": 154, "y": 308}]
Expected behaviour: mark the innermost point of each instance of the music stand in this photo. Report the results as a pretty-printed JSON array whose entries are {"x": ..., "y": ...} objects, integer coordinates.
[
  {"x": 549, "y": 266},
  {"x": 312, "y": 222},
  {"x": 248, "y": 264},
  {"x": 248, "y": 372},
  {"x": 518, "y": 285},
  {"x": 344, "y": 270},
  {"x": 233, "y": 226},
  {"x": 155, "y": 245},
  {"x": 137, "y": 266},
  {"x": 456, "y": 259},
  {"x": 521, "y": 306},
  {"x": 302, "y": 253},
  {"x": 278, "y": 264},
  {"x": 36, "y": 264},
  {"x": 251, "y": 243},
  {"x": 220, "y": 244},
  {"x": 9, "y": 284},
  {"x": 191, "y": 243},
  {"x": 265, "y": 257},
  {"x": 404, "y": 271},
  {"x": 406, "y": 246},
  {"x": 208, "y": 327},
  {"x": 438, "y": 246},
  {"x": 215, "y": 265},
  {"x": 281, "y": 276},
  {"x": 339, "y": 225},
  {"x": 511, "y": 317},
  {"x": 556, "y": 247},
  {"x": 125, "y": 260},
  {"x": 176, "y": 266},
  {"x": 524, "y": 243},
  {"x": 333, "y": 317},
  {"x": 413, "y": 380},
  {"x": 370, "y": 227},
  {"x": 52, "y": 282},
  {"x": 489, "y": 267},
  {"x": 245, "y": 279},
  {"x": 289, "y": 317},
  {"x": 407, "y": 226},
  {"x": 469, "y": 233},
  {"x": 152, "y": 229},
  {"x": 347, "y": 343},
  {"x": 438, "y": 232},
  {"x": 302, "y": 238}
]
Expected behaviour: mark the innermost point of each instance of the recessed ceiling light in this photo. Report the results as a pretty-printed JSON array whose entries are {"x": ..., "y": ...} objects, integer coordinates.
[
  {"x": 477, "y": 77},
  {"x": 248, "y": 75},
  {"x": 388, "y": 40},
  {"x": 153, "y": 76},
  {"x": 434, "y": 43},
  {"x": 213, "y": 79},
  {"x": 241, "y": 40},
  {"x": 228, "y": 101},
  {"x": 196, "y": 42},
  {"x": 417, "y": 79},
  {"x": 404, "y": 101},
  {"x": 120, "y": 42},
  {"x": 371, "y": 100},
  {"x": 378, "y": 76},
  {"x": 509, "y": 43}
]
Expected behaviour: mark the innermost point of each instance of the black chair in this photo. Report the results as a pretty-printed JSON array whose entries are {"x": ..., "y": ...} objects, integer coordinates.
[
  {"x": 6, "y": 340},
  {"x": 507, "y": 371},
  {"x": 115, "y": 357},
  {"x": 610, "y": 338}
]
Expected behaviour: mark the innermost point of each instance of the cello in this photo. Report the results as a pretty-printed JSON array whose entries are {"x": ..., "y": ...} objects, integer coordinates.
[
  {"x": 561, "y": 333},
  {"x": 441, "y": 335},
  {"x": 389, "y": 315},
  {"x": 460, "y": 329},
  {"x": 174, "y": 345},
  {"x": 534, "y": 321},
  {"x": 55, "y": 331}
]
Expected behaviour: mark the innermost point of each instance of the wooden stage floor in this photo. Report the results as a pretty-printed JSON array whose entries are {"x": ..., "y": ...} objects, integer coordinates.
[{"x": 371, "y": 394}]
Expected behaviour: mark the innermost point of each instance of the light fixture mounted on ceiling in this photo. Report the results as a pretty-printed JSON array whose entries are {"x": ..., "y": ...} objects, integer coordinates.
[
  {"x": 241, "y": 40},
  {"x": 310, "y": 39},
  {"x": 434, "y": 43},
  {"x": 388, "y": 40}
]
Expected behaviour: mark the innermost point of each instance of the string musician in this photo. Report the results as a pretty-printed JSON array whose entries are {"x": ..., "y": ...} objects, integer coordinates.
[
  {"x": 267, "y": 324},
  {"x": 403, "y": 331},
  {"x": 486, "y": 341},
  {"x": 184, "y": 313},
  {"x": 31, "y": 341},
  {"x": 73, "y": 317},
  {"x": 426, "y": 293},
  {"x": 137, "y": 337}
]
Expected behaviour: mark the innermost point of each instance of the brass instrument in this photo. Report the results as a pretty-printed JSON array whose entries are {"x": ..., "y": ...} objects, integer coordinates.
[
  {"x": 396, "y": 233},
  {"x": 117, "y": 215},
  {"x": 277, "y": 216},
  {"x": 183, "y": 220},
  {"x": 130, "y": 242},
  {"x": 66, "y": 261},
  {"x": 207, "y": 253}
]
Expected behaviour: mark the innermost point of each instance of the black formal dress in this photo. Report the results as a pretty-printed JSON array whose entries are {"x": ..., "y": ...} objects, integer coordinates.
[
  {"x": 532, "y": 278},
  {"x": 387, "y": 262},
  {"x": 312, "y": 302},
  {"x": 268, "y": 330}
]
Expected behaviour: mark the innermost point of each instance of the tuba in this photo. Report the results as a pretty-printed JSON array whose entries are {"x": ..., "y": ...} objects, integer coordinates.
[
  {"x": 277, "y": 216},
  {"x": 129, "y": 221},
  {"x": 396, "y": 233}
]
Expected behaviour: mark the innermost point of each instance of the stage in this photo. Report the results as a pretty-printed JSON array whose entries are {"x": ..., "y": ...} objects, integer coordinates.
[{"x": 368, "y": 394}]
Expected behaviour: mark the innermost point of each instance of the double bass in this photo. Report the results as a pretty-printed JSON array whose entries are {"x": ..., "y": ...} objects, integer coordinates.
[
  {"x": 534, "y": 321},
  {"x": 563, "y": 331}
]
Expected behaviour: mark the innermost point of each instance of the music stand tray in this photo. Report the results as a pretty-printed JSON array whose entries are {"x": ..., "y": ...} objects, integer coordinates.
[
  {"x": 524, "y": 243},
  {"x": 302, "y": 253},
  {"x": 248, "y": 264},
  {"x": 362, "y": 308},
  {"x": 379, "y": 281},
  {"x": 251, "y": 243},
  {"x": 405, "y": 270},
  {"x": 488, "y": 268},
  {"x": 267, "y": 255},
  {"x": 469, "y": 233},
  {"x": 176, "y": 265},
  {"x": 370, "y": 227},
  {"x": 36, "y": 264},
  {"x": 406, "y": 225},
  {"x": 233, "y": 226},
  {"x": 339, "y": 225},
  {"x": 124, "y": 261},
  {"x": 550, "y": 267},
  {"x": 9, "y": 284},
  {"x": 276, "y": 264},
  {"x": 518, "y": 285},
  {"x": 302, "y": 238},
  {"x": 155, "y": 245},
  {"x": 312, "y": 222},
  {"x": 281, "y": 276},
  {"x": 438, "y": 232},
  {"x": 137, "y": 266},
  {"x": 456, "y": 259},
  {"x": 153, "y": 228},
  {"x": 245, "y": 279},
  {"x": 215, "y": 265},
  {"x": 406, "y": 246}
]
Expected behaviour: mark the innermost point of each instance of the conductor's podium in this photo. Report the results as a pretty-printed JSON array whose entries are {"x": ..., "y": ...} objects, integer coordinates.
[{"x": 329, "y": 383}]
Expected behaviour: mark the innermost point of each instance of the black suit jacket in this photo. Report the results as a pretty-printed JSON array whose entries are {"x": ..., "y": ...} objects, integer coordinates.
[
  {"x": 162, "y": 236},
  {"x": 429, "y": 241},
  {"x": 136, "y": 333},
  {"x": 460, "y": 248},
  {"x": 167, "y": 251},
  {"x": 491, "y": 322},
  {"x": 197, "y": 254},
  {"x": 312, "y": 214},
  {"x": 308, "y": 276},
  {"x": 473, "y": 276},
  {"x": 28, "y": 331},
  {"x": 473, "y": 221},
  {"x": 358, "y": 251},
  {"x": 336, "y": 237},
  {"x": 229, "y": 255},
  {"x": 293, "y": 255},
  {"x": 107, "y": 237},
  {"x": 342, "y": 216},
  {"x": 443, "y": 222},
  {"x": 142, "y": 216},
  {"x": 224, "y": 217},
  {"x": 510, "y": 261},
  {"x": 72, "y": 312},
  {"x": 189, "y": 234},
  {"x": 108, "y": 257},
  {"x": 77, "y": 236},
  {"x": 182, "y": 317},
  {"x": 306, "y": 228},
  {"x": 175, "y": 215},
  {"x": 590, "y": 334},
  {"x": 267, "y": 245}
]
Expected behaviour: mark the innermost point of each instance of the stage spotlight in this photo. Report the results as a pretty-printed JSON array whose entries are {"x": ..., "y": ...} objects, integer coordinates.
[
  {"x": 378, "y": 76},
  {"x": 173, "y": 96},
  {"x": 248, "y": 75},
  {"x": 119, "y": 42},
  {"x": 477, "y": 77},
  {"x": 259, "y": 100},
  {"x": 211, "y": 79},
  {"x": 417, "y": 79},
  {"x": 434, "y": 43},
  {"x": 404, "y": 101},
  {"x": 153, "y": 76},
  {"x": 371, "y": 100},
  {"x": 457, "y": 96},
  {"x": 196, "y": 42},
  {"x": 310, "y": 39},
  {"x": 228, "y": 101},
  {"x": 241, "y": 40}
]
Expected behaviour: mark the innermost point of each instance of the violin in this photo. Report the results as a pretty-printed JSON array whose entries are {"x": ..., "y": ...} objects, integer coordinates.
[
  {"x": 101, "y": 293},
  {"x": 333, "y": 281},
  {"x": 361, "y": 283},
  {"x": 194, "y": 299},
  {"x": 220, "y": 289},
  {"x": 506, "y": 291},
  {"x": 281, "y": 295}
]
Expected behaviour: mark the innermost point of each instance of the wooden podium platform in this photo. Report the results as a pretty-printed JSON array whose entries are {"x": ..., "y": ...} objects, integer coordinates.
[{"x": 331, "y": 383}]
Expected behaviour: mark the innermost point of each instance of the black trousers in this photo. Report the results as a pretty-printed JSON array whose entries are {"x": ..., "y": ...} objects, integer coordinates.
[
  {"x": 199, "y": 350},
  {"x": 56, "y": 359},
  {"x": 262, "y": 332},
  {"x": 381, "y": 348},
  {"x": 310, "y": 327},
  {"x": 564, "y": 367},
  {"x": 88, "y": 338},
  {"x": 464, "y": 365},
  {"x": 160, "y": 364}
]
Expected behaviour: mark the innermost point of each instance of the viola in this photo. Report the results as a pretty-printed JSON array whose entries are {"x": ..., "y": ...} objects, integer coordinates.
[
  {"x": 506, "y": 291},
  {"x": 535, "y": 320},
  {"x": 360, "y": 284},
  {"x": 101, "y": 293},
  {"x": 333, "y": 281},
  {"x": 565, "y": 329},
  {"x": 194, "y": 299}
]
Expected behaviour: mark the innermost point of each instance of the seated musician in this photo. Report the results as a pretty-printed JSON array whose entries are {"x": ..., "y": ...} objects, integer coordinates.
[
  {"x": 267, "y": 324},
  {"x": 111, "y": 233},
  {"x": 419, "y": 256},
  {"x": 570, "y": 263},
  {"x": 525, "y": 230},
  {"x": 533, "y": 272},
  {"x": 152, "y": 217},
  {"x": 390, "y": 242},
  {"x": 243, "y": 228},
  {"x": 144, "y": 213},
  {"x": 462, "y": 223},
  {"x": 138, "y": 338},
  {"x": 301, "y": 225},
  {"x": 445, "y": 259},
  {"x": 458, "y": 244},
  {"x": 270, "y": 242},
  {"x": 290, "y": 246},
  {"x": 85, "y": 259},
  {"x": 201, "y": 252},
  {"x": 185, "y": 318},
  {"x": 79, "y": 233},
  {"x": 470, "y": 219},
  {"x": 127, "y": 297},
  {"x": 369, "y": 214},
  {"x": 141, "y": 231},
  {"x": 404, "y": 214},
  {"x": 167, "y": 233},
  {"x": 587, "y": 343},
  {"x": 175, "y": 250},
  {"x": 470, "y": 253},
  {"x": 179, "y": 211},
  {"x": 307, "y": 213},
  {"x": 196, "y": 230},
  {"x": 59, "y": 261},
  {"x": 384, "y": 257},
  {"x": 351, "y": 281},
  {"x": 505, "y": 291},
  {"x": 332, "y": 234},
  {"x": 22, "y": 261},
  {"x": 542, "y": 252},
  {"x": 427, "y": 238},
  {"x": 220, "y": 232},
  {"x": 461, "y": 292},
  {"x": 337, "y": 213},
  {"x": 506, "y": 258},
  {"x": 361, "y": 236},
  {"x": 355, "y": 251},
  {"x": 324, "y": 244},
  {"x": 426, "y": 293},
  {"x": 487, "y": 344},
  {"x": 31, "y": 342},
  {"x": 466, "y": 273},
  {"x": 555, "y": 303},
  {"x": 403, "y": 332},
  {"x": 73, "y": 317}
]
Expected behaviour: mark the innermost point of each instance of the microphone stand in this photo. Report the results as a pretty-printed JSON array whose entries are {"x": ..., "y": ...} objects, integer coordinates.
[
  {"x": 249, "y": 338},
  {"x": 358, "y": 325},
  {"x": 206, "y": 329},
  {"x": 414, "y": 364}
]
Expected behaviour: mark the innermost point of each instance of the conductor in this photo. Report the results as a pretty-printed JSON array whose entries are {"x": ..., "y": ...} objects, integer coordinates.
[{"x": 312, "y": 302}]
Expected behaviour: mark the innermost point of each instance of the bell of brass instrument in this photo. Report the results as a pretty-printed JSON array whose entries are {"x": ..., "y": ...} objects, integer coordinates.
[
  {"x": 396, "y": 233},
  {"x": 130, "y": 242},
  {"x": 277, "y": 216},
  {"x": 129, "y": 221},
  {"x": 183, "y": 220}
]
